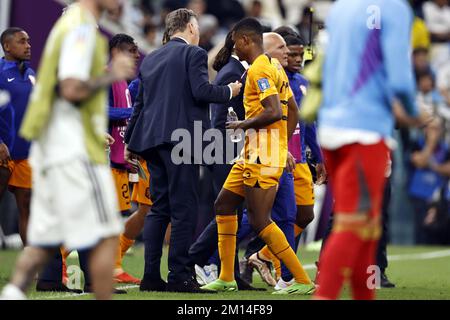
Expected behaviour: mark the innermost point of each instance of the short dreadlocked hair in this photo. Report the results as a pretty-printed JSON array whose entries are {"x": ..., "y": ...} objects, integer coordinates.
[
  {"x": 250, "y": 27},
  {"x": 120, "y": 39}
]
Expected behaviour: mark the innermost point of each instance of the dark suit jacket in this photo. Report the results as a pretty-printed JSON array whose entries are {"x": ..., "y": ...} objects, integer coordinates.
[
  {"x": 231, "y": 72},
  {"x": 174, "y": 92}
]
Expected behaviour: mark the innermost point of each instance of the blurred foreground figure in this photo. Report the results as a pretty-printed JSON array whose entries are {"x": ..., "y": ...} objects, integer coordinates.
[
  {"x": 76, "y": 204},
  {"x": 367, "y": 65}
]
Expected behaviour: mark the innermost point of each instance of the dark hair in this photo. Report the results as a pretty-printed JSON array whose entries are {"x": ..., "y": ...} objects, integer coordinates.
[
  {"x": 223, "y": 56},
  {"x": 257, "y": 2},
  {"x": 293, "y": 41},
  {"x": 250, "y": 27},
  {"x": 8, "y": 33},
  {"x": 420, "y": 50},
  {"x": 149, "y": 27},
  {"x": 285, "y": 31},
  {"x": 425, "y": 74},
  {"x": 165, "y": 38},
  {"x": 177, "y": 20},
  {"x": 119, "y": 39}
]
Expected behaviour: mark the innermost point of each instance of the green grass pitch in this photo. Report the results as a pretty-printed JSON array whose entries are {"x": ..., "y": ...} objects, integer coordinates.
[{"x": 418, "y": 272}]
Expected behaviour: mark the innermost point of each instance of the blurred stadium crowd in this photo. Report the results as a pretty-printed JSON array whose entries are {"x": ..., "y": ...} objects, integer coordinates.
[
  {"x": 426, "y": 191},
  {"x": 144, "y": 19}
]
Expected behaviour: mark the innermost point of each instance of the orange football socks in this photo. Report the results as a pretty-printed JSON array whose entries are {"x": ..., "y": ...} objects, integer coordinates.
[
  {"x": 227, "y": 226},
  {"x": 124, "y": 245},
  {"x": 276, "y": 241}
]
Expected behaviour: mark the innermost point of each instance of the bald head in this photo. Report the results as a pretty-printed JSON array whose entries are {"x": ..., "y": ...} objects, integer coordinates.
[
  {"x": 275, "y": 46},
  {"x": 270, "y": 39}
]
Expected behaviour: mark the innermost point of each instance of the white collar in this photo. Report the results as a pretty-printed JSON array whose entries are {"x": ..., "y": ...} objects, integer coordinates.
[
  {"x": 244, "y": 63},
  {"x": 187, "y": 42}
]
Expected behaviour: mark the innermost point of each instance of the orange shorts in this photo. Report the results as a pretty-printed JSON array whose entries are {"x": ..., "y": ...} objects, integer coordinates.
[
  {"x": 20, "y": 173},
  {"x": 141, "y": 189},
  {"x": 303, "y": 185},
  {"x": 252, "y": 175},
  {"x": 120, "y": 178}
]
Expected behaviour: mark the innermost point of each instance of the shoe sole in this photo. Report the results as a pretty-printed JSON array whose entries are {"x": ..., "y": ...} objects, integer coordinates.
[
  {"x": 195, "y": 292},
  {"x": 261, "y": 273},
  {"x": 296, "y": 292},
  {"x": 217, "y": 291},
  {"x": 126, "y": 282},
  {"x": 229, "y": 289}
]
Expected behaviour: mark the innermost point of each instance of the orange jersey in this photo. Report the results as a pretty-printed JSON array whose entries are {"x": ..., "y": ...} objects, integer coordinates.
[{"x": 268, "y": 146}]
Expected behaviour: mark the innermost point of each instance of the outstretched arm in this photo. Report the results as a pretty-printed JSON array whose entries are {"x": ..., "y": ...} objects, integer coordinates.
[
  {"x": 115, "y": 114},
  {"x": 75, "y": 83},
  {"x": 199, "y": 81}
]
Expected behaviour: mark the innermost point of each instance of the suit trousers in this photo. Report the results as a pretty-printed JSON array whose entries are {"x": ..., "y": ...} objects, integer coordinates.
[
  {"x": 206, "y": 244},
  {"x": 174, "y": 191},
  {"x": 52, "y": 272}
]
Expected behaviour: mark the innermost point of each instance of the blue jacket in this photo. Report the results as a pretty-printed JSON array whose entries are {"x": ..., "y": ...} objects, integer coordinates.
[
  {"x": 134, "y": 88},
  {"x": 425, "y": 182},
  {"x": 19, "y": 87},
  {"x": 230, "y": 72}
]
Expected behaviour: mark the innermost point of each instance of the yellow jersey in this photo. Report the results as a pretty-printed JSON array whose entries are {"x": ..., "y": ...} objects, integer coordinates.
[{"x": 267, "y": 146}]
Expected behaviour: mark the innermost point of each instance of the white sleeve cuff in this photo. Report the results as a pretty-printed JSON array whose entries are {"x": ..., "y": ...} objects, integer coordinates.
[{"x": 231, "y": 92}]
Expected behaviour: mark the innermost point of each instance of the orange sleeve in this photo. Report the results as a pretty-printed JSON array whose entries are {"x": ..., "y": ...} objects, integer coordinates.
[{"x": 264, "y": 78}]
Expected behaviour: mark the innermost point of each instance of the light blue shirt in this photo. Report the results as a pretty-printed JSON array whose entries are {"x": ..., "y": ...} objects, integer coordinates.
[{"x": 367, "y": 64}]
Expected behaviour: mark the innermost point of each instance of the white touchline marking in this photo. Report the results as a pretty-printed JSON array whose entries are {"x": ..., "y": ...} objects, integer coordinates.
[
  {"x": 309, "y": 266},
  {"x": 407, "y": 256},
  {"x": 420, "y": 256},
  {"x": 397, "y": 257},
  {"x": 69, "y": 295}
]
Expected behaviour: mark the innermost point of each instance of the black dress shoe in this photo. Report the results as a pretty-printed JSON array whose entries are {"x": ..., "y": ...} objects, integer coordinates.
[
  {"x": 46, "y": 286},
  {"x": 88, "y": 289},
  {"x": 156, "y": 285},
  {"x": 246, "y": 271},
  {"x": 245, "y": 286},
  {"x": 190, "y": 285},
  {"x": 384, "y": 282}
]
